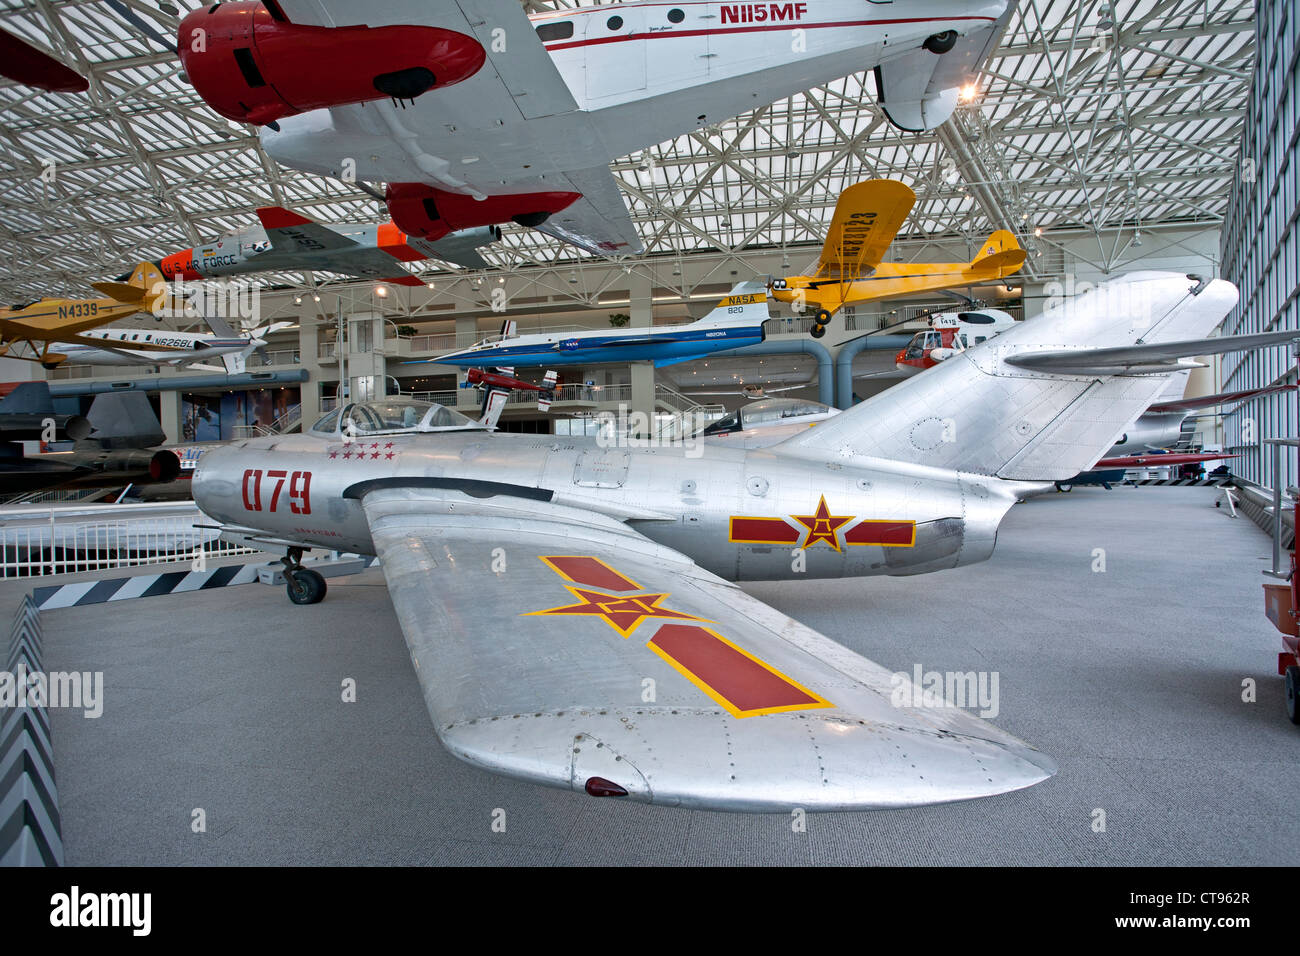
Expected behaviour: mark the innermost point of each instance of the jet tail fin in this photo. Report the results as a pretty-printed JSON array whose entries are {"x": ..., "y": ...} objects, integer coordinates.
[
  {"x": 124, "y": 420},
  {"x": 1001, "y": 410},
  {"x": 494, "y": 403},
  {"x": 236, "y": 363},
  {"x": 745, "y": 304},
  {"x": 28, "y": 398}
]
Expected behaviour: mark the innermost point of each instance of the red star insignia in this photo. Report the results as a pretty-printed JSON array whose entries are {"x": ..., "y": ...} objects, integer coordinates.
[
  {"x": 822, "y": 526},
  {"x": 388, "y": 444},
  {"x": 334, "y": 454},
  {"x": 374, "y": 454},
  {"x": 389, "y": 455},
  {"x": 624, "y": 614},
  {"x": 374, "y": 444},
  {"x": 347, "y": 454}
]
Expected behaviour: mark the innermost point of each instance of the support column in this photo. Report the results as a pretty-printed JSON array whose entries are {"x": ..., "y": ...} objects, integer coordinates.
[
  {"x": 467, "y": 399},
  {"x": 643, "y": 373},
  {"x": 366, "y": 367},
  {"x": 169, "y": 415},
  {"x": 1034, "y": 295},
  {"x": 309, "y": 359},
  {"x": 643, "y": 391}
]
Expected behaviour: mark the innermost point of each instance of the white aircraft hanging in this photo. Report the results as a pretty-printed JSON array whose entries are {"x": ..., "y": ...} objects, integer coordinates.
[
  {"x": 736, "y": 321},
  {"x": 143, "y": 346},
  {"x": 496, "y": 116},
  {"x": 544, "y": 584}
]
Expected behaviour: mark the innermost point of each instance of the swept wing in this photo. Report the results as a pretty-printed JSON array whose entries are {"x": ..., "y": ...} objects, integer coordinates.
[{"x": 595, "y": 659}]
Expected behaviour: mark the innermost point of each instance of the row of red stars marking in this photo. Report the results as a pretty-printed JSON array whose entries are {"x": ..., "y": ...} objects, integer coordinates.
[{"x": 358, "y": 451}]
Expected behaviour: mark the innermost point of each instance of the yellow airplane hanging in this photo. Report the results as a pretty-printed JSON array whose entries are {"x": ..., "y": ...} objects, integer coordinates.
[
  {"x": 40, "y": 324},
  {"x": 850, "y": 270}
]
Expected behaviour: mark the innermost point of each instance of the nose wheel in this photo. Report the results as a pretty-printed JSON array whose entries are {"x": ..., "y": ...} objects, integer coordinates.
[{"x": 303, "y": 585}]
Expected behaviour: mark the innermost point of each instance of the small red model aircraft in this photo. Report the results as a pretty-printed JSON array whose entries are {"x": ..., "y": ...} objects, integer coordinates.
[{"x": 500, "y": 382}]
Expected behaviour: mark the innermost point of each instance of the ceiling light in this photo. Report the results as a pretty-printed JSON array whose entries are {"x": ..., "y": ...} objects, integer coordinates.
[
  {"x": 297, "y": 300},
  {"x": 381, "y": 291},
  {"x": 316, "y": 297},
  {"x": 969, "y": 92},
  {"x": 430, "y": 285},
  {"x": 1038, "y": 230}
]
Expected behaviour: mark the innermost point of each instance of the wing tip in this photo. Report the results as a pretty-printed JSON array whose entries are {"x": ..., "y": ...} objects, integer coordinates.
[{"x": 277, "y": 217}]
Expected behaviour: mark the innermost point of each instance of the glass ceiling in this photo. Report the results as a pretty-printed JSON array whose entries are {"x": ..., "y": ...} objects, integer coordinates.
[{"x": 1093, "y": 117}]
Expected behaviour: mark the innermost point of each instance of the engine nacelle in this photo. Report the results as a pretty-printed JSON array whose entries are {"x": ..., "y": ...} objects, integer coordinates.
[
  {"x": 422, "y": 210},
  {"x": 254, "y": 68}
]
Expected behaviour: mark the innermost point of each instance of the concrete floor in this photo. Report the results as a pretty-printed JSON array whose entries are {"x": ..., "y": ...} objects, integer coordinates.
[{"x": 229, "y": 701}]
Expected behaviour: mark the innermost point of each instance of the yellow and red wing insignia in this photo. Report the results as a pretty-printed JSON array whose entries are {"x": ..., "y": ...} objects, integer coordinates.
[
  {"x": 621, "y": 612},
  {"x": 737, "y": 680}
]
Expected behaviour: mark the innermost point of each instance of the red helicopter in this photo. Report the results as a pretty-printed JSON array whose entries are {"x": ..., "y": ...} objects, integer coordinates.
[{"x": 948, "y": 334}]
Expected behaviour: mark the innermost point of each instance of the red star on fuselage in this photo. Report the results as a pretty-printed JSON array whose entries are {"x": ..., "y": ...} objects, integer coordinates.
[{"x": 823, "y": 526}]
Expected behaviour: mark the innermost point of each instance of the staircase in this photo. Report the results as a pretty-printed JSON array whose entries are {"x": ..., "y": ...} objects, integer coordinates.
[{"x": 687, "y": 414}]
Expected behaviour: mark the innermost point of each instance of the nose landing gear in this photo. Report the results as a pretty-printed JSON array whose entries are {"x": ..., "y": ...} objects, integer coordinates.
[{"x": 303, "y": 585}]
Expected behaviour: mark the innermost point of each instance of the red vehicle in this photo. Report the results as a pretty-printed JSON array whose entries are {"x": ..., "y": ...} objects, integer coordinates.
[{"x": 950, "y": 333}]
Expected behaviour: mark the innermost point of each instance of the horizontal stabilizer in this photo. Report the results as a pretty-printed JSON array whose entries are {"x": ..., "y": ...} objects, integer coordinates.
[
  {"x": 461, "y": 248},
  {"x": 1146, "y": 359},
  {"x": 1222, "y": 398},
  {"x": 119, "y": 291}
]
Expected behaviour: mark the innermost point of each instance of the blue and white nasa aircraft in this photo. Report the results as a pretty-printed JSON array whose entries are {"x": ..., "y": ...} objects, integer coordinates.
[{"x": 737, "y": 321}]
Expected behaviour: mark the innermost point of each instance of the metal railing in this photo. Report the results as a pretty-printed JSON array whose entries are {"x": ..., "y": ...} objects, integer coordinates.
[
  {"x": 276, "y": 357},
  {"x": 71, "y": 546},
  {"x": 279, "y": 426},
  {"x": 61, "y": 496}
]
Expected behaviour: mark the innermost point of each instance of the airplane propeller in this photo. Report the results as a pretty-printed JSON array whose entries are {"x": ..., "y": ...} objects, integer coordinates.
[{"x": 139, "y": 25}]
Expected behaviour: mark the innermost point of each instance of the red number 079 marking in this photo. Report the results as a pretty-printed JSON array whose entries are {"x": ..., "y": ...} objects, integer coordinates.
[{"x": 299, "y": 490}]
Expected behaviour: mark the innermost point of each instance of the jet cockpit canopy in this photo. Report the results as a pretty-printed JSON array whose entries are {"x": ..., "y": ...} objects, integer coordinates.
[
  {"x": 769, "y": 411},
  {"x": 391, "y": 416}
]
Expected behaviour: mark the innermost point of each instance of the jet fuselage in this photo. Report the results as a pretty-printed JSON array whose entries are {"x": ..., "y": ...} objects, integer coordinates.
[{"x": 743, "y": 514}]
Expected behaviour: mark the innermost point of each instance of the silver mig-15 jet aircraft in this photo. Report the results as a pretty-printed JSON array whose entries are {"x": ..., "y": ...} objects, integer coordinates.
[{"x": 567, "y": 601}]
